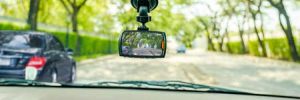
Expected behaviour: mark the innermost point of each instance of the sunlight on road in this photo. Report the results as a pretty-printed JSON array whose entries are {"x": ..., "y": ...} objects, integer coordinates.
[
  {"x": 196, "y": 66},
  {"x": 281, "y": 76}
]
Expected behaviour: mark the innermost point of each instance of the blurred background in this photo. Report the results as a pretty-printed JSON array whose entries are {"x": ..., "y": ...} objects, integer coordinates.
[{"x": 267, "y": 28}]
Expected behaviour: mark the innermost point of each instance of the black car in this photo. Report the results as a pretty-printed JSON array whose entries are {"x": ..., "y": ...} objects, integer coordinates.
[{"x": 35, "y": 56}]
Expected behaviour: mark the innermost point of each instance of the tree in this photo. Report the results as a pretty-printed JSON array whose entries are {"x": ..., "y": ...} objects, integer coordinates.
[
  {"x": 33, "y": 14},
  {"x": 190, "y": 32},
  {"x": 210, "y": 26},
  {"x": 232, "y": 11},
  {"x": 221, "y": 37},
  {"x": 73, "y": 7},
  {"x": 254, "y": 12},
  {"x": 287, "y": 28},
  {"x": 216, "y": 29},
  {"x": 52, "y": 13},
  {"x": 227, "y": 14},
  {"x": 207, "y": 26},
  {"x": 228, "y": 39},
  {"x": 15, "y": 8},
  {"x": 241, "y": 26}
]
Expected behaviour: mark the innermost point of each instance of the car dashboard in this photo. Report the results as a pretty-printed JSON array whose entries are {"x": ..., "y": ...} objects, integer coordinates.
[{"x": 56, "y": 93}]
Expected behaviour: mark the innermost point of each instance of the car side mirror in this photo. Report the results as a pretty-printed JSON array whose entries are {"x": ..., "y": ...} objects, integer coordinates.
[
  {"x": 69, "y": 51},
  {"x": 143, "y": 44}
]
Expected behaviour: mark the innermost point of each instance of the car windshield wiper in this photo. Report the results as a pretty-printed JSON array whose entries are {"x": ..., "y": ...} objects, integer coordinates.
[
  {"x": 170, "y": 85},
  {"x": 17, "y": 82}
]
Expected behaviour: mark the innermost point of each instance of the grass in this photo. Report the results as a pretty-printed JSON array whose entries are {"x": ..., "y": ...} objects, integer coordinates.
[{"x": 82, "y": 58}]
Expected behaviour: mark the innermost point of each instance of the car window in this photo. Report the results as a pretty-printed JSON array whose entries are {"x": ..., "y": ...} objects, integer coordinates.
[
  {"x": 55, "y": 44},
  {"x": 20, "y": 41}
]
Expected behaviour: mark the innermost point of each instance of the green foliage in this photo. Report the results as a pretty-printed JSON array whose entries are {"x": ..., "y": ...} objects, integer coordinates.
[
  {"x": 89, "y": 45},
  {"x": 236, "y": 47},
  {"x": 298, "y": 44},
  {"x": 9, "y": 26},
  {"x": 216, "y": 46},
  {"x": 277, "y": 48},
  {"x": 81, "y": 58},
  {"x": 254, "y": 48},
  {"x": 107, "y": 16},
  {"x": 15, "y": 8},
  {"x": 209, "y": 48},
  {"x": 52, "y": 12}
]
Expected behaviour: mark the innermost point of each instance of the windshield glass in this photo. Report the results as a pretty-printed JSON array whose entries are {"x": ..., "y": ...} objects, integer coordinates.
[
  {"x": 242, "y": 45},
  {"x": 20, "y": 41}
]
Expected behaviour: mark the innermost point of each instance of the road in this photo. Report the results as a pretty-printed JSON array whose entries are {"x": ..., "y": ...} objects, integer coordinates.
[
  {"x": 245, "y": 73},
  {"x": 147, "y": 52}
]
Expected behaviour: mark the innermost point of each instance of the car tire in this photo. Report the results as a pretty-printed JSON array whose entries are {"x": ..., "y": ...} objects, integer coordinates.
[{"x": 49, "y": 74}]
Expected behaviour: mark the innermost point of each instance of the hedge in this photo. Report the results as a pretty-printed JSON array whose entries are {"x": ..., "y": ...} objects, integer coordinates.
[
  {"x": 277, "y": 48},
  {"x": 235, "y": 47},
  {"x": 12, "y": 26},
  {"x": 90, "y": 45}
]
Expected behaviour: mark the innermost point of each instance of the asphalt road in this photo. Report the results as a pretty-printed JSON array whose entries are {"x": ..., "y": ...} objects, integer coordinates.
[
  {"x": 147, "y": 52},
  {"x": 245, "y": 73}
]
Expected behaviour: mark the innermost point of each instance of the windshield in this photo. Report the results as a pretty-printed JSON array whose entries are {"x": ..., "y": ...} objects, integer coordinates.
[
  {"x": 20, "y": 41},
  {"x": 242, "y": 45}
]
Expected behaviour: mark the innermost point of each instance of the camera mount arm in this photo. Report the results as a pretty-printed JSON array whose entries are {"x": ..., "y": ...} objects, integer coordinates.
[
  {"x": 143, "y": 18},
  {"x": 143, "y": 8}
]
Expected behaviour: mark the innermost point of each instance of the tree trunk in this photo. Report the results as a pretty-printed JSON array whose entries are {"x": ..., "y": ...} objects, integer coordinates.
[
  {"x": 288, "y": 29},
  {"x": 33, "y": 14},
  {"x": 224, "y": 35},
  {"x": 228, "y": 41},
  {"x": 262, "y": 26},
  {"x": 241, "y": 34},
  {"x": 75, "y": 30},
  {"x": 289, "y": 34},
  {"x": 210, "y": 42},
  {"x": 259, "y": 40},
  {"x": 221, "y": 43},
  {"x": 220, "y": 39},
  {"x": 74, "y": 21}
]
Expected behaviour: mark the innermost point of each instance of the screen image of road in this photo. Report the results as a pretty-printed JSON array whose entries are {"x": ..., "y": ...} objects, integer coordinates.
[{"x": 142, "y": 44}]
